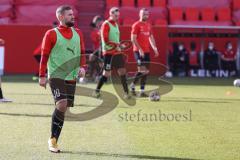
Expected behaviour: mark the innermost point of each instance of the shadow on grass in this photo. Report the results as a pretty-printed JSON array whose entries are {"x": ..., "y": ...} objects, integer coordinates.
[
  {"x": 201, "y": 81},
  {"x": 52, "y": 104},
  {"x": 194, "y": 101},
  {"x": 26, "y": 115},
  {"x": 126, "y": 156},
  {"x": 174, "y": 81}
]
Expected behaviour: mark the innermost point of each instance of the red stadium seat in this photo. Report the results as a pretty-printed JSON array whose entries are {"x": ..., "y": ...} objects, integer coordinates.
[
  {"x": 224, "y": 14},
  {"x": 176, "y": 14},
  {"x": 160, "y": 22},
  {"x": 48, "y": 2},
  {"x": 128, "y": 21},
  {"x": 32, "y": 14},
  {"x": 192, "y": 14},
  {"x": 6, "y": 10},
  {"x": 143, "y": 3},
  {"x": 203, "y": 23},
  {"x": 236, "y": 17},
  {"x": 158, "y": 13},
  {"x": 237, "y": 23},
  {"x": 236, "y": 4},
  {"x": 6, "y": 2},
  {"x": 159, "y": 3},
  {"x": 199, "y": 3},
  {"x": 112, "y": 3},
  {"x": 5, "y": 20},
  {"x": 208, "y": 14},
  {"x": 128, "y": 3},
  {"x": 129, "y": 12}
]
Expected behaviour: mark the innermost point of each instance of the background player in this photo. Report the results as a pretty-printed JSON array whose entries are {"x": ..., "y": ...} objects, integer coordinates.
[
  {"x": 61, "y": 45},
  {"x": 110, "y": 33},
  {"x": 95, "y": 59},
  {"x": 37, "y": 53},
  {"x": 142, "y": 38},
  {"x": 2, "y": 99}
]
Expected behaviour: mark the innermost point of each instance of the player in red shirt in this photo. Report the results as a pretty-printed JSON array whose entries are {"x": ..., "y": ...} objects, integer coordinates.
[
  {"x": 142, "y": 38},
  {"x": 95, "y": 59},
  {"x": 37, "y": 51},
  {"x": 228, "y": 58},
  {"x": 59, "y": 44}
]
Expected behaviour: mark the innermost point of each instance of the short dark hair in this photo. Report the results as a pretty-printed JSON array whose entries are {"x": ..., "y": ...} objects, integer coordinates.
[
  {"x": 95, "y": 20},
  {"x": 61, "y": 9}
]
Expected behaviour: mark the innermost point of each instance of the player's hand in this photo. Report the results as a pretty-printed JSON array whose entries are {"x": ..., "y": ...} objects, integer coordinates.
[
  {"x": 1, "y": 41},
  {"x": 118, "y": 49},
  {"x": 81, "y": 72},
  {"x": 122, "y": 46},
  {"x": 141, "y": 53},
  {"x": 43, "y": 82},
  {"x": 101, "y": 64},
  {"x": 182, "y": 58},
  {"x": 156, "y": 52}
]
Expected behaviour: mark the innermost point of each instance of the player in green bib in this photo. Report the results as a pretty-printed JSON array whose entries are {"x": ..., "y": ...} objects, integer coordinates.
[
  {"x": 62, "y": 54},
  {"x": 110, "y": 34}
]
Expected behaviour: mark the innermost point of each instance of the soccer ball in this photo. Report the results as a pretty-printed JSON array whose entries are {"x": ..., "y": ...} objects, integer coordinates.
[
  {"x": 236, "y": 82},
  {"x": 169, "y": 74},
  {"x": 154, "y": 96},
  {"x": 82, "y": 80}
]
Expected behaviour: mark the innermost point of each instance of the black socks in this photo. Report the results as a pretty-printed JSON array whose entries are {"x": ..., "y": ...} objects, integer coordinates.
[
  {"x": 102, "y": 80},
  {"x": 57, "y": 123},
  {"x": 124, "y": 83},
  {"x": 137, "y": 77},
  {"x": 1, "y": 94}
]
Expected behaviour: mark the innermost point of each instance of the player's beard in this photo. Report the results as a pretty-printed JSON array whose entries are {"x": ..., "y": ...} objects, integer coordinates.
[
  {"x": 70, "y": 23},
  {"x": 145, "y": 19}
]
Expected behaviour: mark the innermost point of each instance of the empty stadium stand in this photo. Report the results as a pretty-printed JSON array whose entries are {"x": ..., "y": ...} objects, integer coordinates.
[
  {"x": 128, "y": 3},
  {"x": 217, "y": 13},
  {"x": 6, "y": 11},
  {"x": 173, "y": 12},
  {"x": 143, "y": 3},
  {"x": 159, "y": 3}
]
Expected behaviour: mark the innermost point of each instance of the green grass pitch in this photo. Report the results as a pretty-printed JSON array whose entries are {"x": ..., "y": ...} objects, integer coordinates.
[{"x": 209, "y": 131}]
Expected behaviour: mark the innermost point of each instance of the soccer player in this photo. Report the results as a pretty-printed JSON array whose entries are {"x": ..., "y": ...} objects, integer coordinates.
[
  {"x": 142, "y": 38},
  {"x": 95, "y": 59},
  {"x": 110, "y": 33},
  {"x": 2, "y": 99},
  {"x": 62, "y": 54}
]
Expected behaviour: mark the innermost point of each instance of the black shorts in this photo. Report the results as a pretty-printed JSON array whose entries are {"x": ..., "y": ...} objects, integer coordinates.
[
  {"x": 114, "y": 61},
  {"x": 142, "y": 61},
  {"x": 62, "y": 89}
]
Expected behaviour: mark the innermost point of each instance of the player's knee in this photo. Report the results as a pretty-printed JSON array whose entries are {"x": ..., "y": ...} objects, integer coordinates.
[
  {"x": 92, "y": 57},
  {"x": 121, "y": 71},
  {"x": 107, "y": 73},
  {"x": 62, "y": 105},
  {"x": 143, "y": 70}
]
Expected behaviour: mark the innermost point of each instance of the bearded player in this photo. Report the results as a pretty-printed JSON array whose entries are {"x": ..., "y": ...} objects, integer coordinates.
[
  {"x": 110, "y": 33},
  {"x": 62, "y": 54},
  {"x": 142, "y": 38}
]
